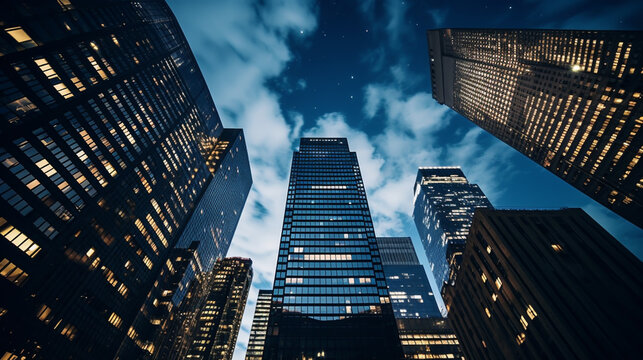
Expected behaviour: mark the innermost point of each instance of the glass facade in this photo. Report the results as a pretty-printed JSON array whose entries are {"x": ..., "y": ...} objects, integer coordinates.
[
  {"x": 408, "y": 285},
  {"x": 259, "y": 326},
  {"x": 569, "y": 100},
  {"x": 206, "y": 325},
  {"x": 329, "y": 296},
  {"x": 144, "y": 333},
  {"x": 106, "y": 128},
  {"x": 443, "y": 207},
  {"x": 217, "y": 214}
]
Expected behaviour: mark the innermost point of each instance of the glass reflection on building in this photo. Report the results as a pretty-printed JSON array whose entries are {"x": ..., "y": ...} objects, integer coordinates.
[
  {"x": 329, "y": 295},
  {"x": 444, "y": 204}
]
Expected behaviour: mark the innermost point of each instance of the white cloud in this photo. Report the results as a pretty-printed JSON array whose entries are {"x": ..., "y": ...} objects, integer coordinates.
[{"x": 334, "y": 125}]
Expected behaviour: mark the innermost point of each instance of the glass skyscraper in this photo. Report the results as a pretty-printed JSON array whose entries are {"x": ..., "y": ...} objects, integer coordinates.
[
  {"x": 408, "y": 285},
  {"x": 329, "y": 296},
  {"x": 207, "y": 323},
  {"x": 259, "y": 326},
  {"x": 216, "y": 216},
  {"x": 443, "y": 207},
  {"x": 105, "y": 144},
  {"x": 569, "y": 100},
  {"x": 424, "y": 333}
]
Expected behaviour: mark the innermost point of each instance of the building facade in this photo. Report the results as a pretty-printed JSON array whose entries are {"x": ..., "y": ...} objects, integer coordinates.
[
  {"x": 443, "y": 206},
  {"x": 216, "y": 216},
  {"x": 207, "y": 324},
  {"x": 259, "y": 326},
  {"x": 107, "y": 129},
  {"x": 408, "y": 285},
  {"x": 143, "y": 335},
  {"x": 424, "y": 333},
  {"x": 428, "y": 338},
  {"x": 546, "y": 285},
  {"x": 569, "y": 100},
  {"x": 329, "y": 295}
]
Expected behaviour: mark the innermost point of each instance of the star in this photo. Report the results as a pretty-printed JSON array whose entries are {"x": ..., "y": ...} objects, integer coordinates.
[
  {"x": 301, "y": 31},
  {"x": 352, "y": 77}
]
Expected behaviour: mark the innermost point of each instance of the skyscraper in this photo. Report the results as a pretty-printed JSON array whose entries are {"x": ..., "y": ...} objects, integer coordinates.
[
  {"x": 408, "y": 285},
  {"x": 207, "y": 323},
  {"x": 329, "y": 295},
  {"x": 569, "y": 100},
  {"x": 105, "y": 144},
  {"x": 259, "y": 326},
  {"x": 216, "y": 216},
  {"x": 424, "y": 333},
  {"x": 546, "y": 285},
  {"x": 443, "y": 207}
]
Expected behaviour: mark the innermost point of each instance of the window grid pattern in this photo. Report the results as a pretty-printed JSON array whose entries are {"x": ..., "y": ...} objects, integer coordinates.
[{"x": 569, "y": 100}]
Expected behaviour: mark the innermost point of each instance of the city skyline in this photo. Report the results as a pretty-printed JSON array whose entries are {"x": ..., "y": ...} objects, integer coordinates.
[
  {"x": 276, "y": 46},
  {"x": 128, "y": 147}
]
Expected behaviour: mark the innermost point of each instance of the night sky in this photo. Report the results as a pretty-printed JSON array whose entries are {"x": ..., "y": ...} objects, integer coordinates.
[{"x": 281, "y": 69}]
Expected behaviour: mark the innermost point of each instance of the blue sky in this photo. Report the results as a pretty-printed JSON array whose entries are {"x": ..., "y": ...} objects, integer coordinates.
[{"x": 282, "y": 69}]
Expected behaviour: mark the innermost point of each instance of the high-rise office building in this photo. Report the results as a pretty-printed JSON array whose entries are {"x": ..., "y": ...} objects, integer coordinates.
[
  {"x": 104, "y": 152},
  {"x": 408, "y": 285},
  {"x": 443, "y": 207},
  {"x": 259, "y": 326},
  {"x": 424, "y": 333},
  {"x": 329, "y": 296},
  {"x": 207, "y": 323},
  {"x": 546, "y": 285},
  {"x": 569, "y": 100}
]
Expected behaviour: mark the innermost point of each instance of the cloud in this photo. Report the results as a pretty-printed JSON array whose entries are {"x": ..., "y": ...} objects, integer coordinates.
[{"x": 335, "y": 125}]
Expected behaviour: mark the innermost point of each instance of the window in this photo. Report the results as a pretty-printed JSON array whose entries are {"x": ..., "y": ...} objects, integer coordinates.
[
  {"x": 18, "y": 34},
  {"x": 12, "y": 273}
]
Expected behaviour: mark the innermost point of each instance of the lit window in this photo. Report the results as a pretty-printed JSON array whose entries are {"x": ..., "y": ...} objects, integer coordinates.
[
  {"x": 21, "y": 106},
  {"x": 12, "y": 273},
  {"x": 498, "y": 283},
  {"x": 531, "y": 312},
  {"x": 18, "y": 34},
  {"x": 115, "y": 320},
  {"x": 486, "y": 310},
  {"x": 520, "y": 338},
  {"x": 557, "y": 247},
  {"x": 19, "y": 239}
]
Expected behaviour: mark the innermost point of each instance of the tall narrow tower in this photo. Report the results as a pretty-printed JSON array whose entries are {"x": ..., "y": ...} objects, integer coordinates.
[
  {"x": 569, "y": 100},
  {"x": 443, "y": 208},
  {"x": 257, "y": 338},
  {"x": 330, "y": 298},
  {"x": 408, "y": 285}
]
